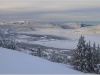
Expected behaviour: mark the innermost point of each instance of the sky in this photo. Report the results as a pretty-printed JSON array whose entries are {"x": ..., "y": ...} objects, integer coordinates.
[{"x": 50, "y": 10}]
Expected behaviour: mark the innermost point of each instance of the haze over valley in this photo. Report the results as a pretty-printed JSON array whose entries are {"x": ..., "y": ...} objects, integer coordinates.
[{"x": 55, "y": 35}]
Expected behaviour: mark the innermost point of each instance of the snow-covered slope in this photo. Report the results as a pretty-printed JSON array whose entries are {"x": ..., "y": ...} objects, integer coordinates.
[
  {"x": 71, "y": 25},
  {"x": 67, "y": 28},
  {"x": 13, "y": 62}
]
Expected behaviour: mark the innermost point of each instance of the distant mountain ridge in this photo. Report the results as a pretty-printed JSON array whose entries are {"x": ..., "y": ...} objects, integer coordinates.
[
  {"x": 74, "y": 27},
  {"x": 71, "y": 25}
]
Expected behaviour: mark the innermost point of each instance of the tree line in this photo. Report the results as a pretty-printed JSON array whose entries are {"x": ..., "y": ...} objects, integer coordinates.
[
  {"x": 86, "y": 58},
  {"x": 7, "y": 42}
]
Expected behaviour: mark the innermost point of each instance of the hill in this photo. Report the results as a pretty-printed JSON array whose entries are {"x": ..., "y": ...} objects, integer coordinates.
[{"x": 67, "y": 28}]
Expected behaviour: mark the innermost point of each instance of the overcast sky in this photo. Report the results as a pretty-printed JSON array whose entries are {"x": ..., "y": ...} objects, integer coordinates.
[{"x": 50, "y": 10}]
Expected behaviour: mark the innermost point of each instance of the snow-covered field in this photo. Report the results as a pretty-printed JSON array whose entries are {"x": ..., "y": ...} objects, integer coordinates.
[{"x": 14, "y": 62}]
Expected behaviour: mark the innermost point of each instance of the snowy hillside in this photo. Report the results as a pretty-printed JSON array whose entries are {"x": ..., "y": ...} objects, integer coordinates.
[
  {"x": 67, "y": 28},
  {"x": 13, "y": 62},
  {"x": 71, "y": 25}
]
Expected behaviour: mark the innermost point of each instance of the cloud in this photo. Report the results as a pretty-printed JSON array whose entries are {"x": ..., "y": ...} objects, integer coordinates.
[
  {"x": 46, "y": 5},
  {"x": 50, "y": 10},
  {"x": 69, "y": 16}
]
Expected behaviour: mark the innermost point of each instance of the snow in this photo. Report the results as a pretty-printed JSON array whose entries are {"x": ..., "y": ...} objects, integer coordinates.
[
  {"x": 72, "y": 25},
  {"x": 64, "y": 44},
  {"x": 67, "y": 28},
  {"x": 14, "y": 62},
  {"x": 23, "y": 36},
  {"x": 71, "y": 43}
]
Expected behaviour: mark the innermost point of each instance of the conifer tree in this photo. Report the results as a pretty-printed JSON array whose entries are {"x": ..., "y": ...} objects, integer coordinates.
[
  {"x": 39, "y": 52},
  {"x": 86, "y": 58},
  {"x": 93, "y": 57},
  {"x": 53, "y": 56},
  {"x": 97, "y": 54},
  {"x": 89, "y": 58},
  {"x": 97, "y": 61},
  {"x": 79, "y": 55}
]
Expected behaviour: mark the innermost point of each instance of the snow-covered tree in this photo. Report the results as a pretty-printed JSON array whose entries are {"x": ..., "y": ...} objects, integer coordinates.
[
  {"x": 86, "y": 58},
  {"x": 98, "y": 54},
  {"x": 53, "y": 55},
  {"x": 79, "y": 55},
  {"x": 94, "y": 59},
  {"x": 39, "y": 52},
  {"x": 97, "y": 60},
  {"x": 7, "y": 42},
  {"x": 2, "y": 39}
]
